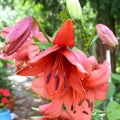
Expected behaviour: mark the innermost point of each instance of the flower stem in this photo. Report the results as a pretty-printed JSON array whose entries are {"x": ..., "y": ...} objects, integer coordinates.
[
  {"x": 42, "y": 30},
  {"x": 88, "y": 44}
]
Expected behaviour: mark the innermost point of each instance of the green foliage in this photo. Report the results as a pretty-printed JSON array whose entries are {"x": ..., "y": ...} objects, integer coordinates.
[
  {"x": 4, "y": 81},
  {"x": 113, "y": 111},
  {"x": 111, "y": 90}
]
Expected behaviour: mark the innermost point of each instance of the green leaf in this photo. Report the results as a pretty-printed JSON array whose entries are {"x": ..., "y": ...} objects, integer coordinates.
[
  {"x": 43, "y": 45},
  {"x": 98, "y": 103},
  {"x": 34, "y": 108},
  {"x": 35, "y": 39},
  {"x": 111, "y": 90},
  {"x": 115, "y": 76},
  {"x": 64, "y": 15},
  {"x": 34, "y": 117},
  {"x": 113, "y": 111},
  {"x": 97, "y": 114}
]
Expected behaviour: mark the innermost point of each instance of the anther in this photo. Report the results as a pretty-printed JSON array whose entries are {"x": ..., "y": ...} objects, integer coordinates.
[
  {"x": 57, "y": 82},
  {"x": 91, "y": 106},
  {"x": 88, "y": 101},
  {"x": 80, "y": 102},
  {"x": 72, "y": 107},
  {"x": 85, "y": 112},
  {"x": 74, "y": 111},
  {"x": 48, "y": 77}
]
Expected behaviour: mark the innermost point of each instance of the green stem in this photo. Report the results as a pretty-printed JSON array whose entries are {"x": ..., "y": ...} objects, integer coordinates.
[
  {"x": 88, "y": 44},
  {"x": 42, "y": 30}
]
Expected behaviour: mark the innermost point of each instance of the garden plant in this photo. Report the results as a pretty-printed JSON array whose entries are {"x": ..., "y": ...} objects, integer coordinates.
[{"x": 75, "y": 84}]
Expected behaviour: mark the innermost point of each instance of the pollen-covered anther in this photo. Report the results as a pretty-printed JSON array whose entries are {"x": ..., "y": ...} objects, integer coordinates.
[
  {"x": 85, "y": 112},
  {"x": 89, "y": 104},
  {"x": 72, "y": 107},
  {"x": 80, "y": 102}
]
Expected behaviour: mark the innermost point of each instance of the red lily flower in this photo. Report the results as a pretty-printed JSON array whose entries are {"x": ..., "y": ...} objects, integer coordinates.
[
  {"x": 67, "y": 77},
  {"x": 62, "y": 70},
  {"x": 96, "y": 86},
  {"x": 57, "y": 62}
]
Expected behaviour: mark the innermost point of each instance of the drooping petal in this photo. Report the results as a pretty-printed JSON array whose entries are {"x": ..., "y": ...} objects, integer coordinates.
[
  {"x": 83, "y": 60},
  {"x": 38, "y": 63},
  {"x": 99, "y": 77},
  {"x": 43, "y": 108},
  {"x": 39, "y": 87},
  {"x": 73, "y": 60},
  {"x": 54, "y": 110},
  {"x": 75, "y": 82},
  {"x": 65, "y": 35},
  {"x": 43, "y": 54},
  {"x": 30, "y": 71},
  {"x": 101, "y": 91}
]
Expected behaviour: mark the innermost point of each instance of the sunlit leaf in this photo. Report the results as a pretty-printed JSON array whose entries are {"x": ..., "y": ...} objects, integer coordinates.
[
  {"x": 113, "y": 111},
  {"x": 111, "y": 90},
  {"x": 34, "y": 108}
]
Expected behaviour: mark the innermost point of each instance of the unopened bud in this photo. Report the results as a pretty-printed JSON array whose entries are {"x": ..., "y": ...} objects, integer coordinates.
[
  {"x": 106, "y": 35},
  {"x": 17, "y": 35},
  {"x": 74, "y": 9}
]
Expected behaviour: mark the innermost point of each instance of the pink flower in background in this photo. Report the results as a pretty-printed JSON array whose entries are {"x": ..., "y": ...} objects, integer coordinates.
[
  {"x": 20, "y": 45},
  {"x": 6, "y": 93},
  {"x": 106, "y": 35},
  {"x": 4, "y": 97},
  {"x": 4, "y": 100}
]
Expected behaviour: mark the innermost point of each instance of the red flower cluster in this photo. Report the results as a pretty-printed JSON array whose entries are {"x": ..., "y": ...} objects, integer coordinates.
[
  {"x": 70, "y": 79},
  {"x": 4, "y": 96}
]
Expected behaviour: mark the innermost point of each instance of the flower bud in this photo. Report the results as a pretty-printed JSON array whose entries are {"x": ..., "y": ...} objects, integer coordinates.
[
  {"x": 74, "y": 9},
  {"x": 17, "y": 35},
  {"x": 106, "y": 35}
]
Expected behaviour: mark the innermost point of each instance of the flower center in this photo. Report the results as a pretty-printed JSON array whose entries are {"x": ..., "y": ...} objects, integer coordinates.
[{"x": 57, "y": 74}]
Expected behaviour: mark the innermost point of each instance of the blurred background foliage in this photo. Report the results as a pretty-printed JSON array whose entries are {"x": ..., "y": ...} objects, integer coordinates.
[{"x": 52, "y": 13}]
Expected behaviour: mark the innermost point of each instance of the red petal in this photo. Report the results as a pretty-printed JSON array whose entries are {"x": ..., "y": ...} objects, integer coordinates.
[
  {"x": 38, "y": 86},
  {"x": 37, "y": 64},
  {"x": 99, "y": 77},
  {"x": 55, "y": 109},
  {"x": 37, "y": 59},
  {"x": 65, "y": 36},
  {"x": 29, "y": 71},
  {"x": 101, "y": 91},
  {"x": 74, "y": 60}
]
